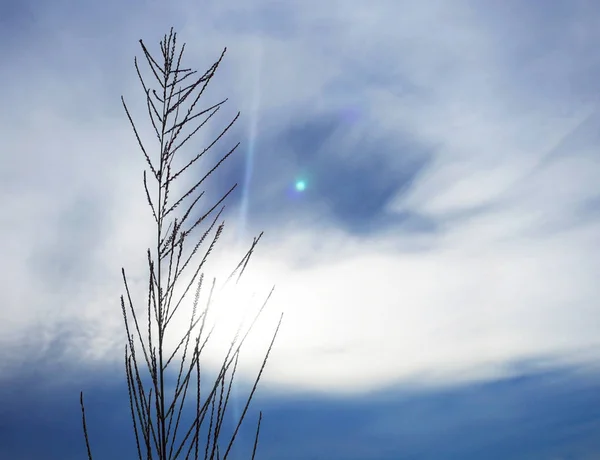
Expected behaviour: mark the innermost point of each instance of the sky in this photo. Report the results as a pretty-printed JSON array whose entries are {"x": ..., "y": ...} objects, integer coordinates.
[{"x": 437, "y": 271}]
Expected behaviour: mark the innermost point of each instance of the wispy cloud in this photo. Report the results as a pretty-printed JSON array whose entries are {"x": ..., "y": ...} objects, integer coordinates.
[{"x": 450, "y": 221}]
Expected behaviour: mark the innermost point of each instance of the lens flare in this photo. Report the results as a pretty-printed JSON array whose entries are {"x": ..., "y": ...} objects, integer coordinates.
[
  {"x": 351, "y": 114},
  {"x": 248, "y": 169},
  {"x": 300, "y": 185},
  {"x": 249, "y": 166}
]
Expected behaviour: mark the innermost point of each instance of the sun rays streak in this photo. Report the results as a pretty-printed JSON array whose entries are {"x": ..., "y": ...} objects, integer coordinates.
[
  {"x": 248, "y": 170},
  {"x": 252, "y": 136}
]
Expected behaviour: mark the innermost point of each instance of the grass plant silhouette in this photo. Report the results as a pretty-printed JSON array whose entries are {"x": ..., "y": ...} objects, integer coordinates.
[{"x": 156, "y": 418}]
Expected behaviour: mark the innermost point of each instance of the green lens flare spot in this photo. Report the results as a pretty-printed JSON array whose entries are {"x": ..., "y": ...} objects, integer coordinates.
[{"x": 300, "y": 185}]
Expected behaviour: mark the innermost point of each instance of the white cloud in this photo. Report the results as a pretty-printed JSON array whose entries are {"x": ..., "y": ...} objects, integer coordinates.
[{"x": 510, "y": 274}]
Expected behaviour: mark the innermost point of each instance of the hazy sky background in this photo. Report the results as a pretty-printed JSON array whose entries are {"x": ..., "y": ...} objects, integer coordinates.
[{"x": 438, "y": 274}]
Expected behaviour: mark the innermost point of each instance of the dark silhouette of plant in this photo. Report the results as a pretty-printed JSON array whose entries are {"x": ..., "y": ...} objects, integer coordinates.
[{"x": 155, "y": 417}]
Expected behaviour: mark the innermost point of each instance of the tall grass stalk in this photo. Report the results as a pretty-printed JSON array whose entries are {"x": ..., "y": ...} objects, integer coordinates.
[{"x": 156, "y": 415}]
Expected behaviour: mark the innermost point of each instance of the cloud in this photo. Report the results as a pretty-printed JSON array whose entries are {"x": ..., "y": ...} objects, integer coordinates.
[{"x": 449, "y": 226}]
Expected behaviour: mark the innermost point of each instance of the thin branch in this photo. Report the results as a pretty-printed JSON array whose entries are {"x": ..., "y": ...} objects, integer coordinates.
[{"x": 87, "y": 441}]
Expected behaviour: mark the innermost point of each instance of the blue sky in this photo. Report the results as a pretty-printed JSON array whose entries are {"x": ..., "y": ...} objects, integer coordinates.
[{"x": 438, "y": 274}]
